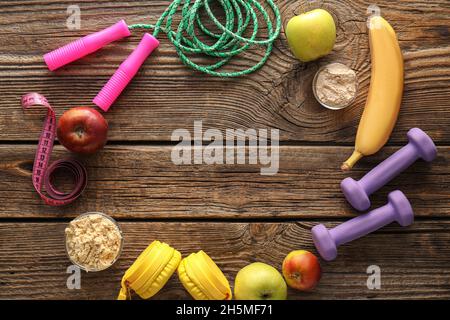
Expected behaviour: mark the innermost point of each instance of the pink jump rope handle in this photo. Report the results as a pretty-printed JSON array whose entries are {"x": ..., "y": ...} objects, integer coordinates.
[
  {"x": 86, "y": 45},
  {"x": 126, "y": 71}
]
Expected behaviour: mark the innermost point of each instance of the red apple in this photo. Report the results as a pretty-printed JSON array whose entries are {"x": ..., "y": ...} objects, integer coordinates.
[
  {"x": 82, "y": 130},
  {"x": 301, "y": 270}
]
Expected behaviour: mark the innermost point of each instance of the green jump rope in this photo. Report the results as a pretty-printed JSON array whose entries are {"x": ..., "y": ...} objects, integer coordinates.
[
  {"x": 239, "y": 15},
  {"x": 240, "y": 31}
]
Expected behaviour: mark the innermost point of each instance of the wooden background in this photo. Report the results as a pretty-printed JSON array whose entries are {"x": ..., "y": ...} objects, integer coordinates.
[{"x": 230, "y": 211}]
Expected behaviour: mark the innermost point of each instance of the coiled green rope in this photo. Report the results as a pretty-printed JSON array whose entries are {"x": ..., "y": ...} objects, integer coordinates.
[{"x": 240, "y": 15}]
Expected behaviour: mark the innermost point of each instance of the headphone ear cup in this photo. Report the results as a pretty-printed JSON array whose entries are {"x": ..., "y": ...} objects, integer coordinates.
[
  {"x": 151, "y": 271},
  {"x": 202, "y": 278},
  {"x": 188, "y": 284},
  {"x": 167, "y": 272}
]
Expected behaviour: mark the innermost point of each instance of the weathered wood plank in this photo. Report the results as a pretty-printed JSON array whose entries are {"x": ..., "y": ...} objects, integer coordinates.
[
  {"x": 142, "y": 182},
  {"x": 166, "y": 95},
  {"x": 414, "y": 261}
]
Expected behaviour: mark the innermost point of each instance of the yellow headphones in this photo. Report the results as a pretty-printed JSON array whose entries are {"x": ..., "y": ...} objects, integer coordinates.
[
  {"x": 202, "y": 278},
  {"x": 151, "y": 270},
  {"x": 198, "y": 273}
]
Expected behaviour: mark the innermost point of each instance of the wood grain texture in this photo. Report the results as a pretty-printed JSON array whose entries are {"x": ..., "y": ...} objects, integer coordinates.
[
  {"x": 414, "y": 261},
  {"x": 166, "y": 95},
  {"x": 142, "y": 182},
  {"x": 221, "y": 208}
]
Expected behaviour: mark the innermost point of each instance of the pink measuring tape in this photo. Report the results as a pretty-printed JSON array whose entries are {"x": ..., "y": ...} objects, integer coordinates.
[{"x": 42, "y": 172}]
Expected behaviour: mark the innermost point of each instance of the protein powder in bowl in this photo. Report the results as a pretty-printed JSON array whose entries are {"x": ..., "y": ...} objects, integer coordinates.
[
  {"x": 93, "y": 241},
  {"x": 335, "y": 86}
]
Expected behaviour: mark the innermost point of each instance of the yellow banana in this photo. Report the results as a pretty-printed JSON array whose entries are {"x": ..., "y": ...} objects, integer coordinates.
[
  {"x": 151, "y": 270},
  {"x": 385, "y": 92},
  {"x": 202, "y": 278}
]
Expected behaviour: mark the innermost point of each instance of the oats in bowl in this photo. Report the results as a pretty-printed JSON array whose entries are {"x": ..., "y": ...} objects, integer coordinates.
[{"x": 93, "y": 241}]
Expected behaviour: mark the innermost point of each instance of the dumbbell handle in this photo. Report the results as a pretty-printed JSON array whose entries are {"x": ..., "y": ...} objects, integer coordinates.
[
  {"x": 420, "y": 145},
  {"x": 389, "y": 168},
  {"x": 363, "y": 224},
  {"x": 328, "y": 240}
]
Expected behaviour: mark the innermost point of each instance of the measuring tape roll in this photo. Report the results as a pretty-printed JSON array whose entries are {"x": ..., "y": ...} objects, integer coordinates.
[{"x": 42, "y": 172}]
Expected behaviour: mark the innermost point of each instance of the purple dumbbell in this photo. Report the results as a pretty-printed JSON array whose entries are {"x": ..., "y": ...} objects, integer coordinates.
[
  {"x": 357, "y": 192},
  {"x": 397, "y": 209}
]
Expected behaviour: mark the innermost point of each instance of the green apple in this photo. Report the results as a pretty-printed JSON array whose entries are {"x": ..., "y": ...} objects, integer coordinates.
[
  {"x": 259, "y": 281},
  {"x": 311, "y": 35}
]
